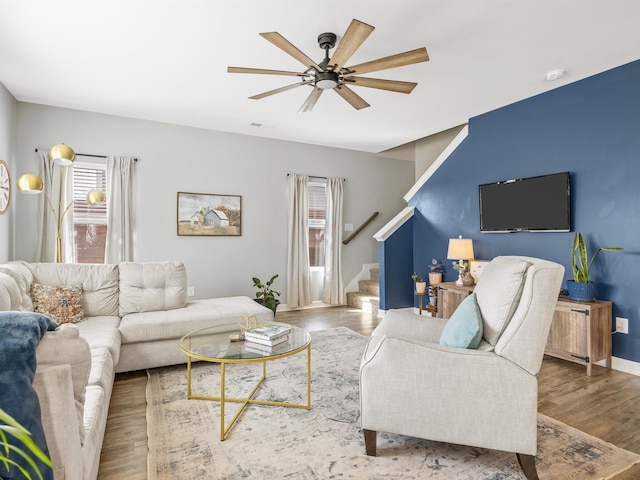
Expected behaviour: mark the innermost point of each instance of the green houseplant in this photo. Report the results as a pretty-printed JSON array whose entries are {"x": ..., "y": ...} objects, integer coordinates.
[
  {"x": 265, "y": 294},
  {"x": 9, "y": 426},
  {"x": 421, "y": 285},
  {"x": 581, "y": 288}
]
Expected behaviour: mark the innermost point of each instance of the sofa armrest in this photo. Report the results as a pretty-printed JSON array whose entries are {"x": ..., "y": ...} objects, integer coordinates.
[
  {"x": 54, "y": 386},
  {"x": 65, "y": 346}
]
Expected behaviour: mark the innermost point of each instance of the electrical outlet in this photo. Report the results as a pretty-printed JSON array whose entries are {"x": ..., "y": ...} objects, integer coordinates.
[
  {"x": 190, "y": 291},
  {"x": 622, "y": 325}
]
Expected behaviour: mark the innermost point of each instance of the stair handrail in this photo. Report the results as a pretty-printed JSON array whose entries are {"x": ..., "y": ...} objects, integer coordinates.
[{"x": 360, "y": 228}]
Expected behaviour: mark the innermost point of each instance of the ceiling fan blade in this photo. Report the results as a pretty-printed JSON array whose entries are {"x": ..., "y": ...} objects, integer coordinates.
[
  {"x": 355, "y": 35},
  {"x": 407, "y": 58},
  {"x": 311, "y": 100},
  {"x": 284, "y": 44},
  {"x": 350, "y": 96},
  {"x": 264, "y": 71},
  {"x": 391, "y": 85},
  {"x": 278, "y": 90}
]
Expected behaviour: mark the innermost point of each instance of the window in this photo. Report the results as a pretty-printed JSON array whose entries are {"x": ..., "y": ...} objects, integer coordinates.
[
  {"x": 317, "y": 216},
  {"x": 89, "y": 221}
]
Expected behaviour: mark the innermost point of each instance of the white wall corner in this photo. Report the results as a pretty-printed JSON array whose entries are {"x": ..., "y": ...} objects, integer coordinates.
[
  {"x": 437, "y": 163},
  {"x": 395, "y": 223}
]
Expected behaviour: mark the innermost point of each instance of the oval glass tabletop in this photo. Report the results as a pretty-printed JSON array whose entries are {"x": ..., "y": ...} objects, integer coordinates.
[{"x": 213, "y": 344}]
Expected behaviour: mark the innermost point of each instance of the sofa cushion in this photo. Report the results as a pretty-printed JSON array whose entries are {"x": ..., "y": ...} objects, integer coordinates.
[
  {"x": 102, "y": 369},
  {"x": 153, "y": 286},
  {"x": 154, "y": 326},
  {"x": 498, "y": 293},
  {"x": 464, "y": 328},
  {"x": 62, "y": 304},
  {"x": 99, "y": 283},
  {"x": 19, "y": 271},
  {"x": 102, "y": 332},
  {"x": 10, "y": 298}
]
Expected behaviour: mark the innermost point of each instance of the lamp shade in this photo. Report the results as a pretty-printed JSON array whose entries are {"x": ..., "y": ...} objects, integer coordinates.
[
  {"x": 62, "y": 154},
  {"x": 30, "y": 183},
  {"x": 95, "y": 197},
  {"x": 460, "y": 249}
]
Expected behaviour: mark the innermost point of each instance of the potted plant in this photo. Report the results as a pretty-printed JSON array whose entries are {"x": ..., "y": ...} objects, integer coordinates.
[
  {"x": 9, "y": 426},
  {"x": 266, "y": 295},
  {"x": 581, "y": 288},
  {"x": 436, "y": 270},
  {"x": 433, "y": 294},
  {"x": 421, "y": 285}
]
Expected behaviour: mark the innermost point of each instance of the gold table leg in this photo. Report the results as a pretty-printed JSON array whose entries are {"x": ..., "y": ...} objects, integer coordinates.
[{"x": 249, "y": 400}]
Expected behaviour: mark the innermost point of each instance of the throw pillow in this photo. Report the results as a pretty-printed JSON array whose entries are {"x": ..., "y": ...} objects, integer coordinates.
[
  {"x": 464, "y": 328},
  {"x": 62, "y": 304}
]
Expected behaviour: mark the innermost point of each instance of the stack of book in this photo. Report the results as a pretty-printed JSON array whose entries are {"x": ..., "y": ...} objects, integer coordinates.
[{"x": 268, "y": 335}]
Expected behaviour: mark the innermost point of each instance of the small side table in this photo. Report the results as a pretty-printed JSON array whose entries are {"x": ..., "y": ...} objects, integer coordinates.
[
  {"x": 420, "y": 295},
  {"x": 433, "y": 309}
]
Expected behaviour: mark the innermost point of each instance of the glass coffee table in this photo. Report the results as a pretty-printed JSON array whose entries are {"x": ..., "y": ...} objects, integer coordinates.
[{"x": 212, "y": 344}]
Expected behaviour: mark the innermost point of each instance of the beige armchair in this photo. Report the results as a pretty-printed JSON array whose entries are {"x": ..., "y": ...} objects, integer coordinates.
[{"x": 411, "y": 384}]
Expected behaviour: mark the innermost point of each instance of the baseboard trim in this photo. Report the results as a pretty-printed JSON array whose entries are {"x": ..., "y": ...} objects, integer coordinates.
[{"x": 623, "y": 365}]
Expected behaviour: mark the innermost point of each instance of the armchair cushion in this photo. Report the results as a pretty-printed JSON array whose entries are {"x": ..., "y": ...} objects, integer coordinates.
[
  {"x": 498, "y": 293},
  {"x": 464, "y": 328}
]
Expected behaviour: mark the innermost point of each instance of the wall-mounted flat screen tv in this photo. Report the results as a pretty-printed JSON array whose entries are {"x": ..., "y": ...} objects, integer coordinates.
[{"x": 534, "y": 204}]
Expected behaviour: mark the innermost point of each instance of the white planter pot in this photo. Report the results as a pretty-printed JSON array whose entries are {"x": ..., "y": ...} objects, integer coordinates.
[{"x": 421, "y": 287}]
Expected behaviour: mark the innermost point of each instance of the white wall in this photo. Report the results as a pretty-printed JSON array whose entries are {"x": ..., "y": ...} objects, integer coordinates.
[
  {"x": 7, "y": 153},
  {"x": 175, "y": 158}
]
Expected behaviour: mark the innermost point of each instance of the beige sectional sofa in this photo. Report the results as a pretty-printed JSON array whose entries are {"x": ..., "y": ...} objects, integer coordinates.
[{"x": 135, "y": 314}]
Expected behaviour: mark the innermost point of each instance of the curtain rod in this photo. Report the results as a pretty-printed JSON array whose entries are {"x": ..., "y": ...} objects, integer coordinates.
[
  {"x": 92, "y": 155},
  {"x": 317, "y": 176}
]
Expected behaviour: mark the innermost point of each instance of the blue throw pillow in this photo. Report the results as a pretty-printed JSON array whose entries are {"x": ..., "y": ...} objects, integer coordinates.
[{"x": 464, "y": 328}]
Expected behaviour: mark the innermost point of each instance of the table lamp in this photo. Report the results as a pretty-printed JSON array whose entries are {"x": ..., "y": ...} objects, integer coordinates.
[{"x": 460, "y": 249}]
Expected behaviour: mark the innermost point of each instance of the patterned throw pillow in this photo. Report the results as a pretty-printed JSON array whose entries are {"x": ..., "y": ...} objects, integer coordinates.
[{"x": 62, "y": 304}]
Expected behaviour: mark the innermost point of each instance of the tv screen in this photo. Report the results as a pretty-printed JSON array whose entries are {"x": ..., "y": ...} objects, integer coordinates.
[{"x": 534, "y": 204}]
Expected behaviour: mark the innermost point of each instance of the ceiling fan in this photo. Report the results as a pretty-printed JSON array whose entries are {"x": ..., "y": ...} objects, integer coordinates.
[{"x": 331, "y": 73}]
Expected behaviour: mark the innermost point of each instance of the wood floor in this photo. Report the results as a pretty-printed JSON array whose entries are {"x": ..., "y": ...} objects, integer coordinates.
[{"x": 605, "y": 405}]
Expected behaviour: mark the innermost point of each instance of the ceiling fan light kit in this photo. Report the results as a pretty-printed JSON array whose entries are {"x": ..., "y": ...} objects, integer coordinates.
[{"x": 331, "y": 74}]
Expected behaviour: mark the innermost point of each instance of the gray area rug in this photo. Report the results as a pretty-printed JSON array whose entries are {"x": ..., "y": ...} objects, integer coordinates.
[{"x": 326, "y": 442}]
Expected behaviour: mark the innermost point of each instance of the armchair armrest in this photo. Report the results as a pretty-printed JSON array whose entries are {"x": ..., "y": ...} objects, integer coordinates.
[{"x": 405, "y": 389}]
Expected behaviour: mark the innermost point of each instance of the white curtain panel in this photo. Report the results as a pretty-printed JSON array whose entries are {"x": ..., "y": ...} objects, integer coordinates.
[
  {"x": 119, "y": 245},
  {"x": 298, "y": 271},
  {"x": 58, "y": 187},
  {"x": 333, "y": 291}
]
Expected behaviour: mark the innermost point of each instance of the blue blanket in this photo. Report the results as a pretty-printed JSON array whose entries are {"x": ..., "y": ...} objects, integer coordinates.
[{"x": 20, "y": 333}]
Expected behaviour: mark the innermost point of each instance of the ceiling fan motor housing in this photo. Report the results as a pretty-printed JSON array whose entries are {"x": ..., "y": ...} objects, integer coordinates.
[
  {"x": 327, "y": 40},
  {"x": 327, "y": 80}
]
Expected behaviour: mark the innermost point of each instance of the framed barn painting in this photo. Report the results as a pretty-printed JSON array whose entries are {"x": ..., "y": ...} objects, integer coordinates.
[{"x": 204, "y": 214}]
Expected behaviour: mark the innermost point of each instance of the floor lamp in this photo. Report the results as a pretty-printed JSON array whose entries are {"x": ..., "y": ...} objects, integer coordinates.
[{"x": 63, "y": 155}]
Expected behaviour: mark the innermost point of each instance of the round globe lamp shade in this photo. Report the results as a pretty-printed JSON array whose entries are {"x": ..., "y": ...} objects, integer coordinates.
[
  {"x": 30, "y": 183},
  {"x": 62, "y": 154},
  {"x": 95, "y": 197}
]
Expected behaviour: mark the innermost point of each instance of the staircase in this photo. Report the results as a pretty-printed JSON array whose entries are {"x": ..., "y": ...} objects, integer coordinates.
[{"x": 367, "y": 298}]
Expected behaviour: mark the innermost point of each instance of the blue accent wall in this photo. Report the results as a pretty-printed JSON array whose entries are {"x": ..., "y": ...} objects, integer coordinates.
[
  {"x": 590, "y": 128},
  {"x": 395, "y": 256}
]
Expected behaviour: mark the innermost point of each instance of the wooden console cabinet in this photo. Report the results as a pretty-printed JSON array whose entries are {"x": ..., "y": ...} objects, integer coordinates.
[
  {"x": 580, "y": 331},
  {"x": 450, "y": 296}
]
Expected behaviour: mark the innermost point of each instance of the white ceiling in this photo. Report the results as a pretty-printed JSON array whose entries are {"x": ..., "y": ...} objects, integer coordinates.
[{"x": 167, "y": 60}]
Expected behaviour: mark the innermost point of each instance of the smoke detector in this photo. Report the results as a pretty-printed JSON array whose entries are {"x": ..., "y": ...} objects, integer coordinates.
[{"x": 554, "y": 75}]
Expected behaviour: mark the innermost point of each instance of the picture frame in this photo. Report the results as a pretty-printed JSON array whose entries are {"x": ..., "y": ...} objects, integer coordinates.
[{"x": 209, "y": 214}]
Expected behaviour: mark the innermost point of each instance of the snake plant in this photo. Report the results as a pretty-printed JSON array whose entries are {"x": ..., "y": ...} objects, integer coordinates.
[{"x": 579, "y": 263}]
